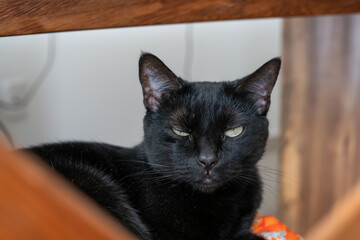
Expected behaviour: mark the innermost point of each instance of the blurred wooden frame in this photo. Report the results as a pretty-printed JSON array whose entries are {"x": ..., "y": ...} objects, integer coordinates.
[
  {"x": 342, "y": 222},
  {"x": 37, "y": 204}
]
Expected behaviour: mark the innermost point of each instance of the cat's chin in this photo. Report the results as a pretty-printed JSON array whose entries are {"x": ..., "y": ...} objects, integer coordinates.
[{"x": 207, "y": 187}]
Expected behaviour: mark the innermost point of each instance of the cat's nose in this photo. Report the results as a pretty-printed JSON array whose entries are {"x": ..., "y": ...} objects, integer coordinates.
[{"x": 207, "y": 160}]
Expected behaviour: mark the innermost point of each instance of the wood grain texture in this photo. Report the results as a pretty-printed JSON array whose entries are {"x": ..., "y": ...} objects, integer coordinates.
[
  {"x": 41, "y": 16},
  {"x": 36, "y": 204},
  {"x": 342, "y": 222},
  {"x": 320, "y": 116}
]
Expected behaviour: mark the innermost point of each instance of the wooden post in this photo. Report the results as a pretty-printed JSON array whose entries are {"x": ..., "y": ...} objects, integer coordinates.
[{"x": 320, "y": 115}]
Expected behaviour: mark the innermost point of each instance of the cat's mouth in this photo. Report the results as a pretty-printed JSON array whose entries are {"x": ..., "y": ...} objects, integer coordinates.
[{"x": 207, "y": 185}]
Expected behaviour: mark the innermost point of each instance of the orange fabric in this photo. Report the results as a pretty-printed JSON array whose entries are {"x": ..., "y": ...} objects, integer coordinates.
[{"x": 270, "y": 228}]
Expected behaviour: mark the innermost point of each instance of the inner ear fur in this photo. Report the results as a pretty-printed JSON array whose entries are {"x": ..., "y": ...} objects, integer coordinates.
[
  {"x": 157, "y": 80},
  {"x": 259, "y": 85}
]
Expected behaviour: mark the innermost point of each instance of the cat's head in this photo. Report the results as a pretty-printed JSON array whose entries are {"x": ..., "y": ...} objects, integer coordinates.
[{"x": 204, "y": 133}]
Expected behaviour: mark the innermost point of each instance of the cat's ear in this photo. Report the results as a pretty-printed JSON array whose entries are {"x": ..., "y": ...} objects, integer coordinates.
[
  {"x": 258, "y": 85},
  {"x": 157, "y": 80}
]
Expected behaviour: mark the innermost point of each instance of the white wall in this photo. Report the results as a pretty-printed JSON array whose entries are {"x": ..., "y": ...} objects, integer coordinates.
[{"x": 92, "y": 91}]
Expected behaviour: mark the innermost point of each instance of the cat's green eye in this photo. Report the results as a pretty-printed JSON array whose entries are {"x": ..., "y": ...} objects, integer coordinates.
[
  {"x": 180, "y": 133},
  {"x": 234, "y": 132}
]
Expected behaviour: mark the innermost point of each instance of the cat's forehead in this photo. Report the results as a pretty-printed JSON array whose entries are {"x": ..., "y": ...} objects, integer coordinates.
[
  {"x": 207, "y": 96},
  {"x": 206, "y": 104},
  {"x": 207, "y": 90},
  {"x": 204, "y": 94}
]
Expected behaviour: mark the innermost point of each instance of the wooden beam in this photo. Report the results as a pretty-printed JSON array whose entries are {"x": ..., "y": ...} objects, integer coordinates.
[
  {"x": 42, "y": 16},
  {"x": 36, "y": 203}
]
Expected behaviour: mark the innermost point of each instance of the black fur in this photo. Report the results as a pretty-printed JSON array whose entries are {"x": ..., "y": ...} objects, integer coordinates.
[{"x": 204, "y": 185}]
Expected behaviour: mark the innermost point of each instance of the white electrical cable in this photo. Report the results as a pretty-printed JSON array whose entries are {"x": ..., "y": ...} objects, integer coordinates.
[
  {"x": 34, "y": 87},
  {"x": 6, "y": 133},
  {"x": 37, "y": 82}
]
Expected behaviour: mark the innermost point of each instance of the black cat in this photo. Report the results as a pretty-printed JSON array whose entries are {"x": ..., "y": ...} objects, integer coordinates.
[{"x": 194, "y": 176}]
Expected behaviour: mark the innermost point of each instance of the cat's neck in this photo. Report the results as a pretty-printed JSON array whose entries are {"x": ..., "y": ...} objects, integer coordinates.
[{"x": 139, "y": 151}]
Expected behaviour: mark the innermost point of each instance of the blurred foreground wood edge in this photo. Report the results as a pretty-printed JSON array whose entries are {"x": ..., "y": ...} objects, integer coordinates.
[
  {"x": 38, "y": 204},
  {"x": 342, "y": 222}
]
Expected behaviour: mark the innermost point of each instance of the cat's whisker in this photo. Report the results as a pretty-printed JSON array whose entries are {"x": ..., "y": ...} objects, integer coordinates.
[
  {"x": 271, "y": 189},
  {"x": 165, "y": 179},
  {"x": 248, "y": 178},
  {"x": 144, "y": 162},
  {"x": 242, "y": 178},
  {"x": 277, "y": 171}
]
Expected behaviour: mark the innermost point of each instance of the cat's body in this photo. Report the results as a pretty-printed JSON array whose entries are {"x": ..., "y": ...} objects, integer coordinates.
[
  {"x": 166, "y": 209},
  {"x": 194, "y": 175}
]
